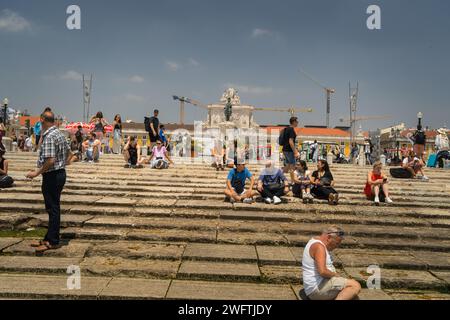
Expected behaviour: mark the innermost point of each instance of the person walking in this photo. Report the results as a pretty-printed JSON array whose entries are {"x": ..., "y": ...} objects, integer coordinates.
[
  {"x": 419, "y": 137},
  {"x": 290, "y": 152},
  {"x": 152, "y": 127},
  {"x": 53, "y": 155},
  {"x": 117, "y": 136},
  {"x": 37, "y": 134}
]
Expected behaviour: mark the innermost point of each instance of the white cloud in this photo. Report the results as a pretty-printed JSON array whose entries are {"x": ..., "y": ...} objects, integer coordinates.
[
  {"x": 134, "y": 98},
  {"x": 11, "y": 21},
  {"x": 72, "y": 75},
  {"x": 173, "y": 66},
  {"x": 193, "y": 62},
  {"x": 136, "y": 79},
  {"x": 260, "y": 33},
  {"x": 255, "y": 90}
]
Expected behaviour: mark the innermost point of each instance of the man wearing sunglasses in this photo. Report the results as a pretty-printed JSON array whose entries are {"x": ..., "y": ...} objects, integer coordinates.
[{"x": 320, "y": 280}]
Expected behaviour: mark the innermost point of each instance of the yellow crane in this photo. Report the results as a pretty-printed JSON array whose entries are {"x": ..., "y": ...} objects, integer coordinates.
[
  {"x": 328, "y": 92},
  {"x": 184, "y": 100}
]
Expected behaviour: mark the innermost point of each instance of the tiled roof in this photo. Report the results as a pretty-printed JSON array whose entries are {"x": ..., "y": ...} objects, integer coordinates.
[{"x": 33, "y": 120}]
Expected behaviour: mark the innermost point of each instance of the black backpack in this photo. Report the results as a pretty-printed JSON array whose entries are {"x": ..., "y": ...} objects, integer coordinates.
[
  {"x": 147, "y": 124},
  {"x": 419, "y": 137},
  {"x": 6, "y": 182},
  {"x": 400, "y": 173},
  {"x": 282, "y": 137}
]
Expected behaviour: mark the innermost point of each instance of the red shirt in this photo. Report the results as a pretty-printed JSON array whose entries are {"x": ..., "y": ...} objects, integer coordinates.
[{"x": 368, "y": 188}]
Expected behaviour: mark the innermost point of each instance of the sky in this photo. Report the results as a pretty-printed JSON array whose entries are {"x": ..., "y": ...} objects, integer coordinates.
[{"x": 142, "y": 52}]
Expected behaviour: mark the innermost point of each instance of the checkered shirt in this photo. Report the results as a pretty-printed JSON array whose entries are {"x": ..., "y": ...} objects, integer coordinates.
[{"x": 54, "y": 145}]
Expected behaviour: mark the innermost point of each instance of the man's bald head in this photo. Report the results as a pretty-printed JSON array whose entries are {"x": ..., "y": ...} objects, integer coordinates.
[{"x": 48, "y": 116}]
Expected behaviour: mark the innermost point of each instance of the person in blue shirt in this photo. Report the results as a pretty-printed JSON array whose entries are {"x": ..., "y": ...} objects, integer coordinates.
[
  {"x": 237, "y": 177},
  {"x": 37, "y": 134},
  {"x": 272, "y": 183}
]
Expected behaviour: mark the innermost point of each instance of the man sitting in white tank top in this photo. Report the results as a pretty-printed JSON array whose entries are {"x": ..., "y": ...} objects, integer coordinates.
[{"x": 320, "y": 280}]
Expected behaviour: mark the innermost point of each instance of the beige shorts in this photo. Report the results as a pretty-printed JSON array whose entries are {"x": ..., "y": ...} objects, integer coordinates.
[{"x": 329, "y": 289}]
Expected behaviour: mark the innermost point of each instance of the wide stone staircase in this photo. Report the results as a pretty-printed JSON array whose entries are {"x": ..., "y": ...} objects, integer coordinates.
[{"x": 142, "y": 233}]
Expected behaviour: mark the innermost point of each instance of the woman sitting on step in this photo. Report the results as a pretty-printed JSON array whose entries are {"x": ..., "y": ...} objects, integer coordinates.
[
  {"x": 322, "y": 184},
  {"x": 377, "y": 185},
  {"x": 5, "y": 180}
]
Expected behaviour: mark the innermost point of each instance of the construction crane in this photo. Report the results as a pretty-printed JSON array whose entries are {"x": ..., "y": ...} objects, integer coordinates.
[
  {"x": 328, "y": 92},
  {"x": 184, "y": 100},
  {"x": 291, "y": 110}
]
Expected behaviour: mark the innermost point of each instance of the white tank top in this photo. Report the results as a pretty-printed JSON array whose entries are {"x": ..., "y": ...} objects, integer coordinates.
[{"x": 311, "y": 276}]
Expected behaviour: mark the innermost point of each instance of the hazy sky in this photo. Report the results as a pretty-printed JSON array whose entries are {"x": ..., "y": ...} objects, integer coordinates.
[{"x": 143, "y": 52}]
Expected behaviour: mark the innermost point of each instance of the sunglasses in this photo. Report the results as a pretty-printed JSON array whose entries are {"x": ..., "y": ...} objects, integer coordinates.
[{"x": 338, "y": 233}]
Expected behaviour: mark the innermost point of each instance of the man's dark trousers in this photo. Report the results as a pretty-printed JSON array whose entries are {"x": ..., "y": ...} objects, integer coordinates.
[{"x": 52, "y": 187}]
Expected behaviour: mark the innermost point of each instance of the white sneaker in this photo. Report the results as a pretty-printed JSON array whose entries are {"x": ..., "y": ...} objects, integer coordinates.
[
  {"x": 268, "y": 200},
  {"x": 377, "y": 200},
  {"x": 276, "y": 200},
  {"x": 248, "y": 200},
  {"x": 389, "y": 200},
  {"x": 425, "y": 178}
]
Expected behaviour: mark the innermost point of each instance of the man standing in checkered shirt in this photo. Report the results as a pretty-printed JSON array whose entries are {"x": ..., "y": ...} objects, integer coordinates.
[{"x": 53, "y": 156}]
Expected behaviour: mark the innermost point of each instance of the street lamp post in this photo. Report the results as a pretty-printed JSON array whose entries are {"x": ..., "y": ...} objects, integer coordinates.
[
  {"x": 419, "y": 117},
  {"x": 5, "y": 111}
]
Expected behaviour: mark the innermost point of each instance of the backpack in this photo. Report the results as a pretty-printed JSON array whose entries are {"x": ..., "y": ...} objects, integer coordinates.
[
  {"x": 400, "y": 173},
  {"x": 147, "y": 124},
  {"x": 6, "y": 182},
  {"x": 419, "y": 137},
  {"x": 282, "y": 137}
]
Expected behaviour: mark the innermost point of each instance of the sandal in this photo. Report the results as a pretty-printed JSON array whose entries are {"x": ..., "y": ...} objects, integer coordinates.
[
  {"x": 45, "y": 247},
  {"x": 37, "y": 243}
]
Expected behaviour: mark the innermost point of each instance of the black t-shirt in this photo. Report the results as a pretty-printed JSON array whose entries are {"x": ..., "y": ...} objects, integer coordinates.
[
  {"x": 289, "y": 133},
  {"x": 2, "y": 164},
  {"x": 326, "y": 175},
  {"x": 155, "y": 122},
  {"x": 79, "y": 136}
]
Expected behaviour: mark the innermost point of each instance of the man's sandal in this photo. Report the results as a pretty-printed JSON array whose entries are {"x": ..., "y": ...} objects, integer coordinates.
[
  {"x": 36, "y": 244},
  {"x": 45, "y": 247}
]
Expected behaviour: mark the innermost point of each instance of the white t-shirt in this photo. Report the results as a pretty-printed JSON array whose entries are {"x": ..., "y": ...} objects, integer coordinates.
[{"x": 406, "y": 160}]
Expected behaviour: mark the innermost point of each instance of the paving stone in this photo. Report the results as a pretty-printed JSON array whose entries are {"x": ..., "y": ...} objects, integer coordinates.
[
  {"x": 94, "y": 233},
  {"x": 114, "y": 266},
  {"x": 435, "y": 260},
  {"x": 220, "y": 252},
  {"x": 120, "y": 288},
  {"x": 67, "y": 220},
  {"x": 72, "y": 249},
  {"x": 417, "y": 295},
  {"x": 281, "y": 274},
  {"x": 203, "y": 204},
  {"x": 138, "y": 250},
  {"x": 50, "y": 287},
  {"x": 9, "y": 221},
  {"x": 391, "y": 278},
  {"x": 275, "y": 255},
  {"x": 156, "y": 203},
  {"x": 7, "y": 242},
  {"x": 36, "y": 264},
  {"x": 219, "y": 270},
  {"x": 250, "y": 238},
  {"x": 443, "y": 275},
  {"x": 172, "y": 235},
  {"x": 367, "y": 294},
  {"x": 398, "y": 260},
  {"x": 255, "y": 215},
  {"x": 297, "y": 253},
  {"x": 181, "y": 289},
  {"x": 116, "y": 201}
]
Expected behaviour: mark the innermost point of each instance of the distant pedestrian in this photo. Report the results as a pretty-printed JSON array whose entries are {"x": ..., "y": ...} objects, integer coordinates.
[
  {"x": 420, "y": 139},
  {"x": 290, "y": 151},
  {"x": 117, "y": 135},
  {"x": 37, "y": 134},
  {"x": 53, "y": 155},
  {"x": 152, "y": 127}
]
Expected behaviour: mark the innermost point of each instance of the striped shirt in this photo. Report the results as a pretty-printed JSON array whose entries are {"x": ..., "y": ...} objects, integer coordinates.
[{"x": 54, "y": 145}]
